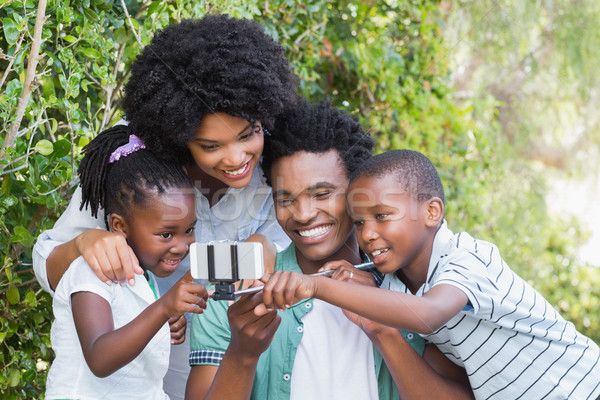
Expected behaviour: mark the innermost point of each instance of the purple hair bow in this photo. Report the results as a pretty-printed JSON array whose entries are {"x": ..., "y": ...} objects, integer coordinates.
[{"x": 135, "y": 143}]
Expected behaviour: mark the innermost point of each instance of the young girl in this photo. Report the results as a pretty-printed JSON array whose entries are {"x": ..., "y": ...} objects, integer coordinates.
[
  {"x": 113, "y": 341},
  {"x": 201, "y": 93}
]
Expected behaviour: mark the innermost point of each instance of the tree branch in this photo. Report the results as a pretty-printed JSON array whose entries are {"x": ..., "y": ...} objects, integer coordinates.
[
  {"x": 137, "y": 37},
  {"x": 12, "y": 59},
  {"x": 34, "y": 58}
]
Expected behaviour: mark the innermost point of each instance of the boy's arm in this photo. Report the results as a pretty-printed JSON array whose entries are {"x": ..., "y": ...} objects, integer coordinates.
[
  {"x": 423, "y": 314},
  {"x": 106, "y": 349}
]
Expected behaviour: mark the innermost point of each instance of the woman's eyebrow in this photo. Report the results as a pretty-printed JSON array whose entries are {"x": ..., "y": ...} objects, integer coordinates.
[{"x": 250, "y": 124}]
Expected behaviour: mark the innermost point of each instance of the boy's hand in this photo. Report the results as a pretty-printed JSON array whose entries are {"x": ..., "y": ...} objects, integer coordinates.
[
  {"x": 251, "y": 334},
  {"x": 185, "y": 296},
  {"x": 178, "y": 326},
  {"x": 109, "y": 256},
  {"x": 284, "y": 288}
]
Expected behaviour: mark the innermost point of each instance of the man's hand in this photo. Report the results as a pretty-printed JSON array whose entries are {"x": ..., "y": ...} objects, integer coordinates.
[{"x": 251, "y": 334}]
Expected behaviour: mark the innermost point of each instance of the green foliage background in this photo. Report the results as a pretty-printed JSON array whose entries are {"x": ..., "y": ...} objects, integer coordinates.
[{"x": 388, "y": 62}]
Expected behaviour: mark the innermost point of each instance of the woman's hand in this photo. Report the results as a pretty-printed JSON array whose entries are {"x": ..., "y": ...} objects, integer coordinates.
[{"x": 109, "y": 256}]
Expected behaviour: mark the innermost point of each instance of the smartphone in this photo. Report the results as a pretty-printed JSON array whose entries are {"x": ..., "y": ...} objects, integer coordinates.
[{"x": 222, "y": 262}]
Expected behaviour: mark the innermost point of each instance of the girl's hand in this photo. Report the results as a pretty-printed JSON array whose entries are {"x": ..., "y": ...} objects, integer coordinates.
[
  {"x": 284, "y": 288},
  {"x": 184, "y": 296},
  {"x": 109, "y": 256},
  {"x": 178, "y": 326}
]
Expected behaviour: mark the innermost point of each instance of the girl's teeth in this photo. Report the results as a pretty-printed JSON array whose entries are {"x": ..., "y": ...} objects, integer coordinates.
[{"x": 315, "y": 231}]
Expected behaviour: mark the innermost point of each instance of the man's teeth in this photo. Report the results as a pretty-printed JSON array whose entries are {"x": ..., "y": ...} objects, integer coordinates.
[
  {"x": 236, "y": 171},
  {"x": 315, "y": 231},
  {"x": 170, "y": 261},
  {"x": 378, "y": 252}
]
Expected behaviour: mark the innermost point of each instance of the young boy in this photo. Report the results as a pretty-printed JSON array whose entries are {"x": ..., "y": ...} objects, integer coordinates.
[
  {"x": 312, "y": 350},
  {"x": 456, "y": 291}
]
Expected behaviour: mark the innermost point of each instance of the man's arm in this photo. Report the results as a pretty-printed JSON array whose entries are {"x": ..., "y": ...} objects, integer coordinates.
[
  {"x": 431, "y": 376},
  {"x": 251, "y": 335}
]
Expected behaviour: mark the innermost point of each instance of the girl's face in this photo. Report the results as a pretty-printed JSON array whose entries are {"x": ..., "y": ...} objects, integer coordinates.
[
  {"x": 160, "y": 231},
  {"x": 228, "y": 148}
]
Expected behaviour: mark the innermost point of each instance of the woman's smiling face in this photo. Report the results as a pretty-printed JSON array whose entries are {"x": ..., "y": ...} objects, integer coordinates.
[{"x": 228, "y": 148}]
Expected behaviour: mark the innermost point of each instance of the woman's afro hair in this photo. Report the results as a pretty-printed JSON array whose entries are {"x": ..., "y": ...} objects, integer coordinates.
[
  {"x": 317, "y": 128},
  {"x": 200, "y": 67}
]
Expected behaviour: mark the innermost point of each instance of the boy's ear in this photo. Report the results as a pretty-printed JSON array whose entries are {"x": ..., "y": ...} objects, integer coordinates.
[
  {"x": 117, "y": 224},
  {"x": 435, "y": 212}
]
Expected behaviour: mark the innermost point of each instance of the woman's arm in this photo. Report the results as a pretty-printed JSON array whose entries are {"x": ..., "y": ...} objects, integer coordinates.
[
  {"x": 107, "y": 254},
  {"x": 58, "y": 247},
  {"x": 107, "y": 349}
]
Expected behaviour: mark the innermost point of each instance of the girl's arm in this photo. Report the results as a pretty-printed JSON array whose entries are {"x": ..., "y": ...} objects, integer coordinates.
[
  {"x": 106, "y": 349},
  {"x": 423, "y": 314}
]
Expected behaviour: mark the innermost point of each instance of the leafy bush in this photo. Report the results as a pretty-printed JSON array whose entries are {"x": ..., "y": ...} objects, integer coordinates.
[{"x": 385, "y": 62}]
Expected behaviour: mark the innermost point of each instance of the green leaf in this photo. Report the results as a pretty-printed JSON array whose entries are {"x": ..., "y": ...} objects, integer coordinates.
[
  {"x": 13, "y": 296},
  {"x": 22, "y": 235},
  {"x": 62, "y": 148},
  {"x": 69, "y": 38},
  {"x": 14, "y": 377},
  {"x": 11, "y": 32},
  {"x": 44, "y": 147},
  {"x": 9, "y": 201}
]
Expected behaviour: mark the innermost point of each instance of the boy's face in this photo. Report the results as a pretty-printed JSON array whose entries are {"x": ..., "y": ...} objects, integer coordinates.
[
  {"x": 390, "y": 224},
  {"x": 309, "y": 190},
  {"x": 160, "y": 233}
]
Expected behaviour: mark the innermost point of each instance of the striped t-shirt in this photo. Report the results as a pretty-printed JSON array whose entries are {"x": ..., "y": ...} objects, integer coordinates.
[{"x": 511, "y": 341}]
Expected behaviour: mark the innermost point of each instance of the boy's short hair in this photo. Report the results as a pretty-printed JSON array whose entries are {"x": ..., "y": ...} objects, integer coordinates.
[
  {"x": 414, "y": 172},
  {"x": 199, "y": 67},
  {"x": 317, "y": 128}
]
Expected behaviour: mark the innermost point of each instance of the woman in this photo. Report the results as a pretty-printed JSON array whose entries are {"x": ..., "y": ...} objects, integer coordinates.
[{"x": 203, "y": 93}]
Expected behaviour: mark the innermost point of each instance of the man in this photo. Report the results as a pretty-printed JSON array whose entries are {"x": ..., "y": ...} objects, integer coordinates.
[{"x": 311, "y": 349}]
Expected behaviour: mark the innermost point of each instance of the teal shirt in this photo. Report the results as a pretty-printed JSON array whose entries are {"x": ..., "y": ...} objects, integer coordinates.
[{"x": 210, "y": 336}]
